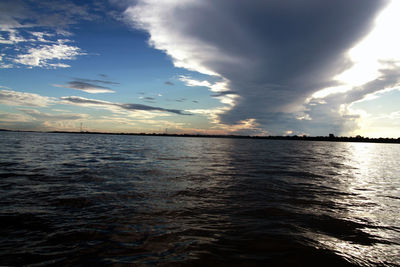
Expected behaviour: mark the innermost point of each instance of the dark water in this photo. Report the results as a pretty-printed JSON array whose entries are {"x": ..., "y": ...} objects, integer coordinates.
[{"x": 72, "y": 199}]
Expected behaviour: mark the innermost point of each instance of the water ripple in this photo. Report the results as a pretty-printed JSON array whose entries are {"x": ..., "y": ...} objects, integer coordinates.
[{"x": 77, "y": 199}]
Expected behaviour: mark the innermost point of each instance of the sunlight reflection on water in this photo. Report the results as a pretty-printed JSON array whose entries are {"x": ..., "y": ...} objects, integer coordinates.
[{"x": 371, "y": 185}]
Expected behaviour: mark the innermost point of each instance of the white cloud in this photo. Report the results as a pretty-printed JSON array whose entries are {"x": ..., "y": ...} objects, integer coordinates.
[
  {"x": 4, "y": 65},
  {"x": 225, "y": 95},
  {"x": 192, "y": 82},
  {"x": 40, "y": 36},
  {"x": 13, "y": 37},
  {"x": 218, "y": 87},
  {"x": 14, "y": 98},
  {"x": 44, "y": 55}
]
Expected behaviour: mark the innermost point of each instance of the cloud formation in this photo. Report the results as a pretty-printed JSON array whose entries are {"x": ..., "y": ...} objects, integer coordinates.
[
  {"x": 41, "y": 116},
  {"x": 127, "y": 106},
  {"x": 48, "y": 56},
  {"x": 335, "y": 112},
  {"x": 33, "y": 40},
  {"x": 88, "y": 86},
  {"x": 15, "y": 98},
  {"x": 97, "y": 81},
  {"x": 272, "y": 54}
]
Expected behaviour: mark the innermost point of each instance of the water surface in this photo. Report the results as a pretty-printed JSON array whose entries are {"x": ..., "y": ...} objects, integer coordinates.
[{"x": 68, "y": 199}]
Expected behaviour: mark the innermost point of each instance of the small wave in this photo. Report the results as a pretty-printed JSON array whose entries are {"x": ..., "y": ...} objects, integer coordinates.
[{"x": 164, "y": 158}]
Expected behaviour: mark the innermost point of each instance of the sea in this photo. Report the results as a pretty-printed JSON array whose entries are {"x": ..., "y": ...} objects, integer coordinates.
[{"x": 124, "y": 200}]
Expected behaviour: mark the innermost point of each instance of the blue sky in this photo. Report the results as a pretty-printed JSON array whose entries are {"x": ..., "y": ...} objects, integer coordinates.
[{"x": 216, "y": 67}]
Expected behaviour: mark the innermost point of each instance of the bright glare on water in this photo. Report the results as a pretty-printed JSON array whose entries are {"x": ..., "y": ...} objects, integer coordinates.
[{"x": 70, "y": 199}]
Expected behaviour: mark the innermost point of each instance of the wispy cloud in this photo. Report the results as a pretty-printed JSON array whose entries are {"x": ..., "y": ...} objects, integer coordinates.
[
  {"x": 88, "y": 86},
  {"x": 16, "y": 121},
  {"x": 148, "y": 99},
  {"x": 32, "y": 119},
  {"x": 151, "y": 108},
  {"x": 37, "y": 115},
  {"x": 84, "y": 101},
  {"x": 96, "y": 81},
  {"x": 15, "y": 98},
  {"x": 12, "y": 117},
  {"x": 119, "y": 106}
]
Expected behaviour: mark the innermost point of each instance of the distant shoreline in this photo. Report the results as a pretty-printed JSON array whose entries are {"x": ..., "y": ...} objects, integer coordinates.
[{"x": 358, "y": 139}]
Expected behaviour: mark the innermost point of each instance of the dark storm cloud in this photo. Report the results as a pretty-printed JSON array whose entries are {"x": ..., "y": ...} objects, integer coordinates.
[
  {"x": 299, "y": 48},
  {"x": 131, "y": 107},
  {"x": 274, "y": 54}
]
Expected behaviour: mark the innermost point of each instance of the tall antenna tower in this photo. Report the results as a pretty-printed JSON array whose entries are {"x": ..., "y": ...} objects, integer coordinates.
[{"x": 81, "y": 126}]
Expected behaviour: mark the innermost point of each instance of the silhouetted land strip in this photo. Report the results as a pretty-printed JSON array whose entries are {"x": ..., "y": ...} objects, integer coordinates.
[{"x": 269, "y": 137}]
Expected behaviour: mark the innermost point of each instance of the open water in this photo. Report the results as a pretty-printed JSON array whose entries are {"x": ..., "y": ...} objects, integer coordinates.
[{"x": 80, "y": 199}]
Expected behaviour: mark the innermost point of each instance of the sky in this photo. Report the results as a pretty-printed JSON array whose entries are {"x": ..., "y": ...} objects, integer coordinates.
[{"x": 305, "y": 67}]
